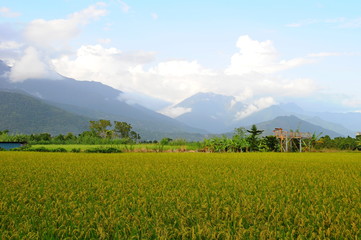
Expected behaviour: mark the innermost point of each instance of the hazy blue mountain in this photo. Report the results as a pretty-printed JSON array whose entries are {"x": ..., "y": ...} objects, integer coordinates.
[
  {"x": 95, "y": 100},
  {"x": 328, "y": 125},
  {"x": 351, "y": 120},
  {"x": 210, "y": 111},
  {"x": 294, "y": 123},
  {"x": 289, "y": 109},
  {"x": 22, "y": 113},
  {"x": 263, "y": 115},
  {"x": 218, "y": 113}
]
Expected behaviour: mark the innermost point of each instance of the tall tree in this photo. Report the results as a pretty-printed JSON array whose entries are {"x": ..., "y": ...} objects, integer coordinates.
[
  {"x": 100, "y": 127},
  {"x": 122, "y": 129},
  {"x": 253, "y": 137},
  {"x": 239, "y": 141}
]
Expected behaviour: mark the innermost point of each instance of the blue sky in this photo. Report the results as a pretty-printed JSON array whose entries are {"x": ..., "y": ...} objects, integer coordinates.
[{"x": 262, "y": 52}]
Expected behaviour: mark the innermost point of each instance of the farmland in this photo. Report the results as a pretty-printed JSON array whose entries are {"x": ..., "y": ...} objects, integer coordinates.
[{"x": 180, "y": 195}]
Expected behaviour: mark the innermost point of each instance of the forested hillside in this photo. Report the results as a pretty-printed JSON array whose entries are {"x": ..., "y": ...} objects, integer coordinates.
[{"x": 24, "y": 114}]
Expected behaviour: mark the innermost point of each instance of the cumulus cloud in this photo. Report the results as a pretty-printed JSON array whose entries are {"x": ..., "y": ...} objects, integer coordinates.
[
  {"x": 174, "y": 112},
  {"x": 146, "y": 101},
  {"x": 179, "y": 68},
  {"x": 256, "y": 106},
  {"x": 7, "y": 13},
  {"x": 43, "y": 33},
  {"x": 10, "y": 45},
  {"x": 107, "y": 65},
  {"x": 31, "y": 66},
  {"x": 42, "y": 40},
  {"x": 175, "y": 80},
  {"x": 260, "y": 57},
  {"x": 9, "y": 51}
]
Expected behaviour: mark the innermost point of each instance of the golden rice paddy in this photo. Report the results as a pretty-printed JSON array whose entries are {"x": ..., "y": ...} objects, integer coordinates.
[{"x": 180, "y": 196}]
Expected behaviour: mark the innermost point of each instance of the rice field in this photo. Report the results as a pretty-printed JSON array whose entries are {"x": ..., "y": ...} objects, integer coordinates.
[{"x": 180, "y": 196}]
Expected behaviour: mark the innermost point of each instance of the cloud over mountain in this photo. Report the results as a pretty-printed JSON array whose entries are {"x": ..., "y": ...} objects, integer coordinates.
[{"x": 254, "y": 69}]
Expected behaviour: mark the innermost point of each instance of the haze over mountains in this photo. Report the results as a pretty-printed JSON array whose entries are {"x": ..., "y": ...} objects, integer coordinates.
[{"x": 74, "y": 103}]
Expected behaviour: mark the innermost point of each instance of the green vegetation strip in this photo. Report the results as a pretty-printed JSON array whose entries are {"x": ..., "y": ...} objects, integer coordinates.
[
  {"x": 121, "y": 147},
  {"x": 180, "y": 195}
]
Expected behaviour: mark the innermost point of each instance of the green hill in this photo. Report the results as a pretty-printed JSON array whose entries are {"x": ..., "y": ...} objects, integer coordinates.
[{"x": 21, "y": 113}]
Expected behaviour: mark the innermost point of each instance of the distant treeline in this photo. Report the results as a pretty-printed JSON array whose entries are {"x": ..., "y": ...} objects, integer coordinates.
[{"x": 243, "y": 140}]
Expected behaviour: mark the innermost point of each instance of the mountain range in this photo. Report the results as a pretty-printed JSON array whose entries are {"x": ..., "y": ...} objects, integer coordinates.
[
  {"x": 66, "y": 105},
  {"x": 218, "y": 114}
]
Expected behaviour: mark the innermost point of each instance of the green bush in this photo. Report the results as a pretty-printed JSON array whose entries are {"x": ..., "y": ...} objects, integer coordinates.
[
  {"x": 103, "y": 150},
  {"x": 58, "y": 150}
]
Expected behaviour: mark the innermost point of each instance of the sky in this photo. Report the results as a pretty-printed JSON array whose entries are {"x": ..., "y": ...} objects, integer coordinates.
[{"x": 261, "y": 52}]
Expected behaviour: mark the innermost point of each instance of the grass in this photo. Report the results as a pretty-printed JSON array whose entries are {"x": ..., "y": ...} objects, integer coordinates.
[{"x": 180, "y": 195}]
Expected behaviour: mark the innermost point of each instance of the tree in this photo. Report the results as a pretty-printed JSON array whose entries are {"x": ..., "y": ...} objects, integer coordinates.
[
  {"x": 358, "y": 142},
  {"x": 122, "y": 129},
  {"x": 253, "y": 137},
  {"x": 69, "y": 136},
  {"x": 239, "y": 141},
  {"x": 271, "y": 143},
  {"x": 4, "y": 132},
  {"x": 134, "y": 136},
  {"x": 100, "y": 127}
]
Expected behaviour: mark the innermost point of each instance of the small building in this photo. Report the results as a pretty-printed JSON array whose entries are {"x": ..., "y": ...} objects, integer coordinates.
[
  {"x": 358, "y": 134},
  {"x": 11, "y": 145}
]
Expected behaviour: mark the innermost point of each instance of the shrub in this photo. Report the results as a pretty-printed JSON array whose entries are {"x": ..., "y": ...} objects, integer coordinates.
[
  {"x": 103, "y": 150},
  {"x": 58, "y": 150}
]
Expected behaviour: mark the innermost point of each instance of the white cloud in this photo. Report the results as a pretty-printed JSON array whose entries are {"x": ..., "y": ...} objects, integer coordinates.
[
  {"x": 43, "y": 40},
  {"x": 174, "y": 112},
  {"x": 10, "y": 45},
  {"x": 107, "y": 65},
  {"x": 174, "y": 80},
  {"x": 10, "y": 50},
  {"x": 259, "y": 57},
  {"x": 31, "y": 66},
  {"x": 7, "y": 13},
  {"x": 154, "y": 104},
  {"x": 179, "y": 68},
  {"x": 42, "y": 33},
  {"x": 256, "y": 106}
]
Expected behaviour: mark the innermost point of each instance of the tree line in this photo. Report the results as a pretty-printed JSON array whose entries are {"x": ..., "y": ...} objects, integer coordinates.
[
  {"x": 243, "y": 140},
  {"x": 100, "y": 132}
]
